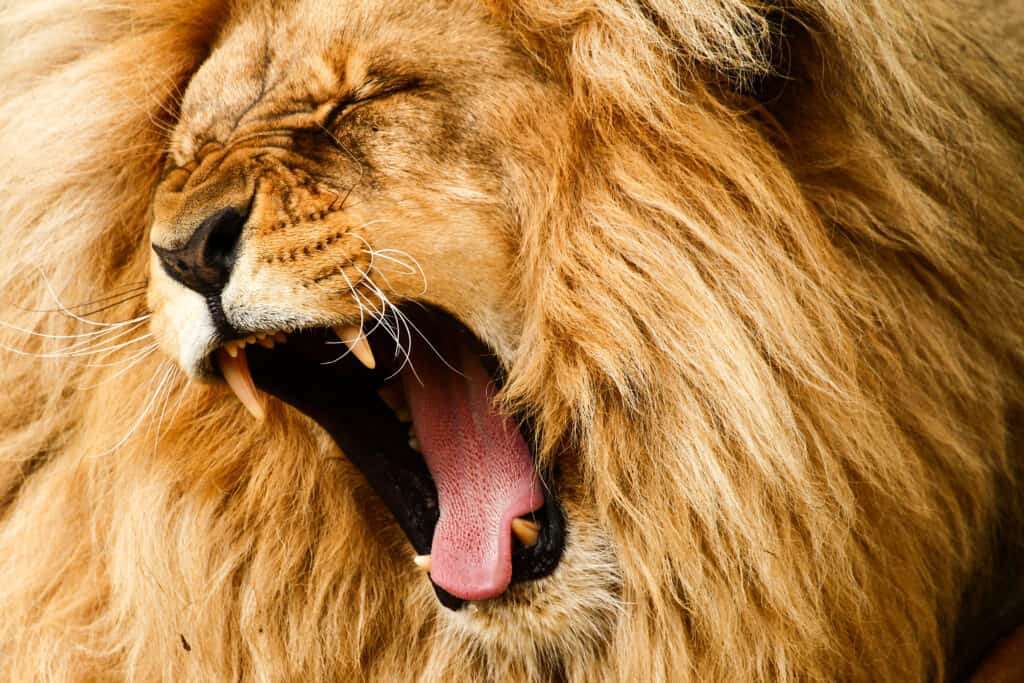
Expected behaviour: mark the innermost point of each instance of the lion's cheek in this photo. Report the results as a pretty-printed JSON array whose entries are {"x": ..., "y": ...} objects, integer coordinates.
[{"x": 462, "y": 263}]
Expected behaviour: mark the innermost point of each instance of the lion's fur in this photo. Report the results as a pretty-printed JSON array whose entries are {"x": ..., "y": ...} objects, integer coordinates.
[{"x": 783, "y": 343}]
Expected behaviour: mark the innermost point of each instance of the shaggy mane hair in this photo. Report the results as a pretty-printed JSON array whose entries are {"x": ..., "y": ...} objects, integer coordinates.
[{"x": 781, "y": 332}]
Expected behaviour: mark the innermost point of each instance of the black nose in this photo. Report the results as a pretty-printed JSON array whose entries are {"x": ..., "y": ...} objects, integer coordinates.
[{"x": 204, "y": 263}]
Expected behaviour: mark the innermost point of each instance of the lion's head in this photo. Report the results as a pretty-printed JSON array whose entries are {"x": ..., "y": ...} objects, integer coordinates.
[
  {"x": 602, "y": 340},
  {"x": 358, "y": 185}
]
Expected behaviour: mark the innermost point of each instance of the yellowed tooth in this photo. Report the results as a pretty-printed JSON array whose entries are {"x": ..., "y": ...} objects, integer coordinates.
[
  {"x": 394, "y": 396},
  {"x": 356, "y": 341},
  {"x": 423, "y": 562},
  {"x": 280, "y": 337},
  {"x": 231, "y": 349},
  {"x": 525, "y": 530},
  {"x": 414, "y": 442},
  {"x": 251, "y": 339},
  {"x": 266, "y": 343},
  {"x": 235, "y": 369},
  {"x": 260, "y": 336}
]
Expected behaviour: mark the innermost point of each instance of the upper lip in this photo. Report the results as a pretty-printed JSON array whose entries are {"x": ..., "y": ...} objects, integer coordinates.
[{"x": 343, "y": 398}]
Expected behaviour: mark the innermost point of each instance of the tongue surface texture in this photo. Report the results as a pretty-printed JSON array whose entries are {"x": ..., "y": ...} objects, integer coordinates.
[{"x": 480, "y": 463}]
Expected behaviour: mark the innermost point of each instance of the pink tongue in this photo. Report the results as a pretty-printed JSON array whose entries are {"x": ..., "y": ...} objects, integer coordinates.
[{"x": 481, "y": 465}]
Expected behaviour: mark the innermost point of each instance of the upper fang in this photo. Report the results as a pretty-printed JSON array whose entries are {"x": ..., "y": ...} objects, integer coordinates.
[{"x": 355, "y": 340}]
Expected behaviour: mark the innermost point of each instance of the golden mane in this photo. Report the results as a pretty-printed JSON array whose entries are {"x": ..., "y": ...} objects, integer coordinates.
[{"x": 782, "y": 330}]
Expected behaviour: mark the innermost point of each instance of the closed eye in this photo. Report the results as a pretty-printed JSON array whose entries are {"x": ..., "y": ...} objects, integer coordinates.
[{"x": 375, "y": 89}]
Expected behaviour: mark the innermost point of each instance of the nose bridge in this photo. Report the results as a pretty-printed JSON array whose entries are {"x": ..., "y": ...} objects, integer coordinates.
[
  {"x": 191, "y": 194},
  {"x": 199, "y": 213}
]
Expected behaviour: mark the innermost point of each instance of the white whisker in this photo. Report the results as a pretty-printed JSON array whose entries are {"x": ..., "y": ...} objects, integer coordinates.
[
  {"x": 163, "y": 410},
  {"x": 410, "y": 269},
  {"x": 87, "y": 346},
  {"x": 71, "y": 314},
  {"x": 147, "y": 409},
  {"x": 64, "y": 353},
  {"x": 107, "y": 350},
  {"x": 83, "y": 335},
  {"x": 131, "y": 362}
]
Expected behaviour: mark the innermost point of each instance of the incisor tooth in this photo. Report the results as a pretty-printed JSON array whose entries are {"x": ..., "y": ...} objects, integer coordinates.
[
  {"x": 356, "y": 341},
  {"x": 280, "y": 337},
  {"x": 235, "y": 369},
  {"x": 423, "y": 562},
  {"x": 525, "y": 530},
  {"x": 266, "y": 343}
]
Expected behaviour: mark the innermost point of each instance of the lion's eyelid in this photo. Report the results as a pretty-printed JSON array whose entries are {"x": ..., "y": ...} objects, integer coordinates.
[{"x": 372, "y": 90}]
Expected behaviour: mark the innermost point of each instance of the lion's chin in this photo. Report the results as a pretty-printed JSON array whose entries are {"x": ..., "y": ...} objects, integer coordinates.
[{"x": 410, "y": 402}]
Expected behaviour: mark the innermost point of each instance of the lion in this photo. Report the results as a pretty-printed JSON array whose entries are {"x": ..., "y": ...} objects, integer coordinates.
[{"x": 446, "y": 340}]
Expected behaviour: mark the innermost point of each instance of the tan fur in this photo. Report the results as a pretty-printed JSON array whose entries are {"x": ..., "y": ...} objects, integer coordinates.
[{"x": 775, "y": 348}]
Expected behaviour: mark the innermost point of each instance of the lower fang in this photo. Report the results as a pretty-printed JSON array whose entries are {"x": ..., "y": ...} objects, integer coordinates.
[
  {"x": 423, "y": 562},
  {"x": 414, "y": 443},
  {"x": 394, "y": 396},
  {"x": 525, "y": 530}
]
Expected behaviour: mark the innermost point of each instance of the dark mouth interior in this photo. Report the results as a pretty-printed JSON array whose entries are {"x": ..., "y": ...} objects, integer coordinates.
[{"x": 313, "y": 373}]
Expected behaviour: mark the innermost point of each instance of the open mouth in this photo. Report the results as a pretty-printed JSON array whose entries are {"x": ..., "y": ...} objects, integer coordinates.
[{"x": 410, "y": 403}]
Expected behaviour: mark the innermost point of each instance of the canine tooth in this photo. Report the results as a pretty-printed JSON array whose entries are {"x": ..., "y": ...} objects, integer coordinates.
[
  {"x": 231, "y": 349},
  {"x": 356, "y": 341},
  {"x": 414, "y": 443},
  {"x": 423, "y": 562},
  {"x": 394, "y": 396},
  {"x": 525, "y": 530},
  {"x": 236, "y": 373}
]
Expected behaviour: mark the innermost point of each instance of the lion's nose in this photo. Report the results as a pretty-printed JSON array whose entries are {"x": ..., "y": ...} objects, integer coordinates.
[{"x": 204, "y": 263}]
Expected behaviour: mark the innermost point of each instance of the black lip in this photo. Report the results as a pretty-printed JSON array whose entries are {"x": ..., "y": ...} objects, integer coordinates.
[{"x": 342, "y": 398}]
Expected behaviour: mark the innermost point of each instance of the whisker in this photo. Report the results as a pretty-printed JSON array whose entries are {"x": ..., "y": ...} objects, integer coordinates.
[
  {"x": 146, "y": 409},
  {"x": 109, "y": 335},
  {"x": 107, "y": 350},
  {"x": 410, "y": 269},
  {"x": 159, "y": 423},
  {"x": 64, "y": 309},
  {"x": 129, "y": 289},
  {"x": 83, "y": 335},
  {"x": 114, "y": 304},
  {"x": 362, "y": 319},
  {"x": 103, "y": 347},
  {"x": 408, "y": 325},
  {"x": 131, "y": 363}
]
